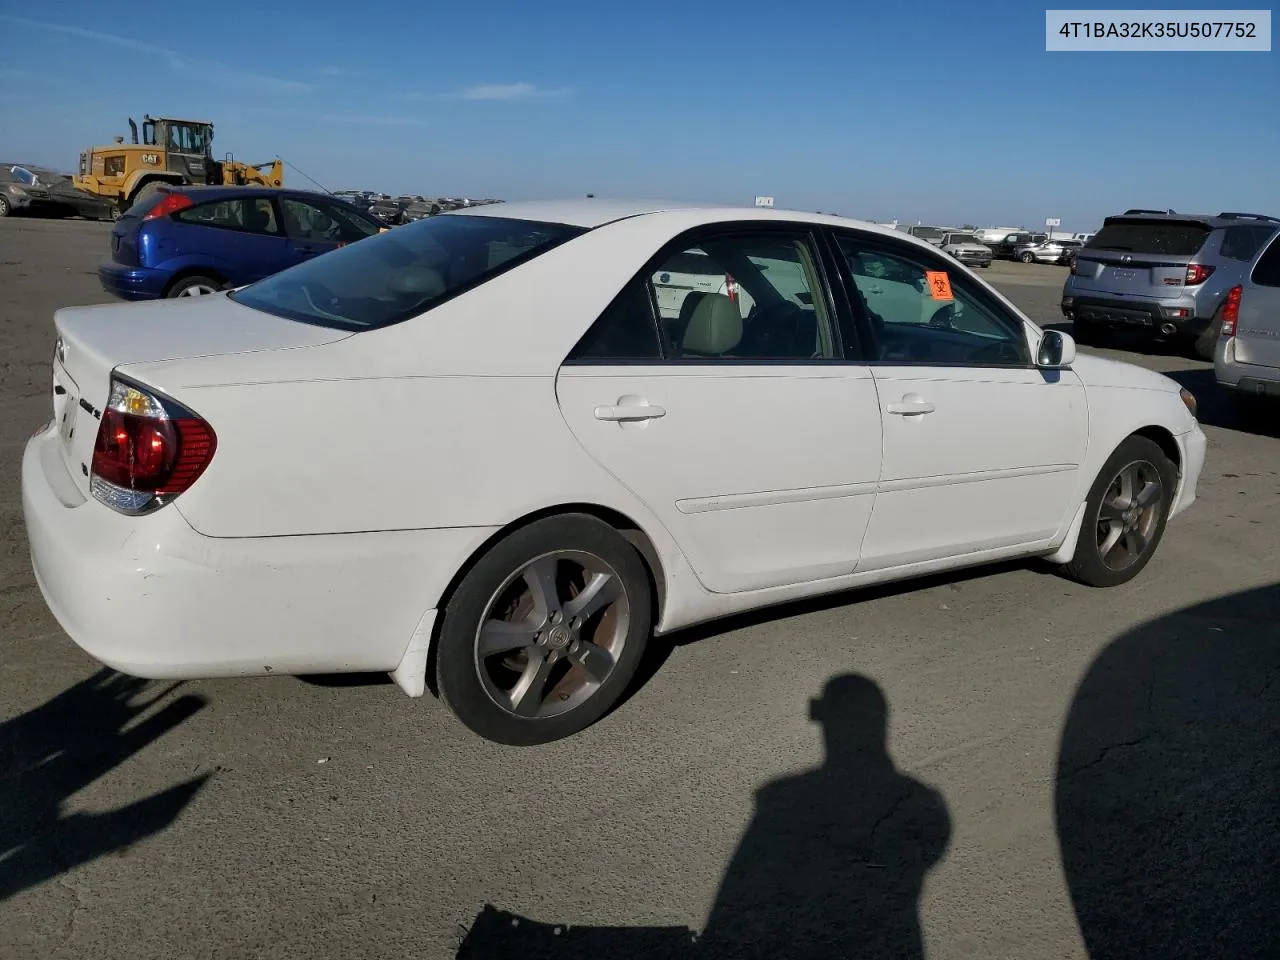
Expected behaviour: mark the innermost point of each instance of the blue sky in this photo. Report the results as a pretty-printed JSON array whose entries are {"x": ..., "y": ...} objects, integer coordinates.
[{"x": 933, "y": 111}]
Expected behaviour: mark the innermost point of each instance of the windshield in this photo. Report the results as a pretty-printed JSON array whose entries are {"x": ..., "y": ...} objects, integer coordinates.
[
  {"x": 23, "y": 176},
  {"x": 400, "y": 274},
  {"x": 927, "y": 233}
]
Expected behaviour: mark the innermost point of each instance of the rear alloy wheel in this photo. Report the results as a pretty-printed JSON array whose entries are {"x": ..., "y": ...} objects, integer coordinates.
[
  {"x": 1125, "y": 515},
  {"x": 1027, "y": 257},
  {"x": 5, "y": 209},
  {"x": 546, "y": 631},
  {"x": 194, "y": 287}
]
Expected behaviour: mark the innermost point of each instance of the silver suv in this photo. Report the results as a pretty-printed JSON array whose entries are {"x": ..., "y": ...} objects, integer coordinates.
[
  {"x": 1246, "y": 360},
  {"x": 1165, "y": 274}
]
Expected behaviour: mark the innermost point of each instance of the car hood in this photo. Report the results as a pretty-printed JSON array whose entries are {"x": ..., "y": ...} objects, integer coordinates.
[{"x": 1096, "y": 371}]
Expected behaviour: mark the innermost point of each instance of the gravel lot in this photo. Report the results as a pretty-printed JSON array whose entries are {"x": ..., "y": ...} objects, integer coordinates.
[{"x": 1065, "y": 770}]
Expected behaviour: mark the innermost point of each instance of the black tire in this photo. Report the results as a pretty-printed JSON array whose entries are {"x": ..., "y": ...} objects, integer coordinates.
[
  {"x": 187, "y": 285},
  {"x": 471, "y": 686},
  {"x": 1088, "y": 565},
  {"x": 148, "y": 190},
  {"x": 985, "y": 266},
  {"x": 1027, "y": 257},
  {"x": 5, "y": 208}
]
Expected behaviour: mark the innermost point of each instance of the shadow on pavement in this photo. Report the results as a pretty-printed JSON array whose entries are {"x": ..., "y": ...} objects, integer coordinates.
[
  {"x": 831, "y": 865},
  {"x": 1218, "y": 408},
  {"x": 1168, "y": 792},
  {"x": 50, "y": 753}
]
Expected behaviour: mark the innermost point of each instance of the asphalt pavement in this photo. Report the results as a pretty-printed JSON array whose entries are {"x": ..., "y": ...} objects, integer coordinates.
[{"x": 1000, "y": 764}]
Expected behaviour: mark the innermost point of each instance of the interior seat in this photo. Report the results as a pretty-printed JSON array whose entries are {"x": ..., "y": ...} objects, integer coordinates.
[{"x": 715, "y": 327}]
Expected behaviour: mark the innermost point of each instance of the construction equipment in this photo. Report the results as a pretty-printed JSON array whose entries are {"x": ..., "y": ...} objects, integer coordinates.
[{"x": 171, "y": 151}]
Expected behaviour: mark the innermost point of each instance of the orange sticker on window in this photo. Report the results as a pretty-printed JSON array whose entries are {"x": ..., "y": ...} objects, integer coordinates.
[{"x": 939, "y": 284}]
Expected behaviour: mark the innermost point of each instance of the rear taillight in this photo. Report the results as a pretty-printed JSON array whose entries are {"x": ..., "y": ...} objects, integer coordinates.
[
  {"x": 1231, "y": 311},
  {"x": 1076, "y": 267},
  {"x": 172, "y": 203},
  {"x": 148, "y": 450},
  {"x": 1197, "y": 273}
]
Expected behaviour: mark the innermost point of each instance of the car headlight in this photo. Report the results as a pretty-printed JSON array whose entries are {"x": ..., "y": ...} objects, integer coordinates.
[
  {"x": 1189, "y": 400},
  {"x": 16, "y": 190}
]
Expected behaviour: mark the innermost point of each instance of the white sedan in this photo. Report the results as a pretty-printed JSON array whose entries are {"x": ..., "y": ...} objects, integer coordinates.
[{"x": 478, "y": 452}]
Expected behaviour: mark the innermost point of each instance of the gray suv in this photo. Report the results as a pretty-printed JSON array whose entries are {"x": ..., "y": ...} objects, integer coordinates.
[
  {"x": 1164, "y": 274},
  {"x": 1247, "y": 358}
]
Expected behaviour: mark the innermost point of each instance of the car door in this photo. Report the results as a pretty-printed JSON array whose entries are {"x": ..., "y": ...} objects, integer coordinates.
[
  {"x": 1258, "y": 328},
  {"x": 752, "y": 432},
  {"x": 981, "y": 449},
  {"x": 240, "y": 238},
  {"x": 315, "y": 226}
]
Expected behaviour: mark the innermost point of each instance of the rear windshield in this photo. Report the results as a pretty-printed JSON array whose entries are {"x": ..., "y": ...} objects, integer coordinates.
[
  {"x": 1174, "y": 238},
  {"x": 397, "y": 275}
]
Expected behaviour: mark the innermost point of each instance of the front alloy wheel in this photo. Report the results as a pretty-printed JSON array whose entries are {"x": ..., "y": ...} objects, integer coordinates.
[
  {"x": 543, "y": 635},
  {"x": 1125, "y": 514}
]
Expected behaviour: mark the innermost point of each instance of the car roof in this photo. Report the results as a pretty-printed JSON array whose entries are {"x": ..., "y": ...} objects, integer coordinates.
[
  {"x": 597, "y": 212},
  {"x": 215, "y": 191},
  {"x": 1212, "y": 220}
]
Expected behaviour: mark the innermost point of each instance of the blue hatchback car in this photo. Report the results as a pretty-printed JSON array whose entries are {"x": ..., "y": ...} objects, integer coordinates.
[{"x": 188, "y": 241}]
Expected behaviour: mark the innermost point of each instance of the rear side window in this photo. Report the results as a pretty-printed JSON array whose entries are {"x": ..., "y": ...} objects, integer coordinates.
[
  {"x": 1173, "y": 238},
  {"x": 1243, "y": 243},
  {"x": 399, "y": 274},
  {"x": 1267, "y": 272},
  {"x": 244, "y": 214}
]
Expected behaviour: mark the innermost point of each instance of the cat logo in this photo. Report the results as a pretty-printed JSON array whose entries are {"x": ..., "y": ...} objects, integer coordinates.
[{"x": 150, "y": 158}]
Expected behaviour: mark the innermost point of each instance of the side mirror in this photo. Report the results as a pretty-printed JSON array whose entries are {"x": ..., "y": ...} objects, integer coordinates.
[{"x": 1056, "y": 351}]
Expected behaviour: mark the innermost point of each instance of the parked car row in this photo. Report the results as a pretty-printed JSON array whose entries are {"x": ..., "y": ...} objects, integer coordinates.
[{"x": 407, "y": 208}]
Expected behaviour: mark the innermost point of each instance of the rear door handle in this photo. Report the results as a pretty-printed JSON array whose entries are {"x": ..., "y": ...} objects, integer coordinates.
[
  {"x": 629, "y": 409},
  {"x": 911, "y": 405}
]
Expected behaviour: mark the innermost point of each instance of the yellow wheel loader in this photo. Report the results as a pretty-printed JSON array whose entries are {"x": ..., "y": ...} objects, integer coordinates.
[{"x": 170, "y": 151}]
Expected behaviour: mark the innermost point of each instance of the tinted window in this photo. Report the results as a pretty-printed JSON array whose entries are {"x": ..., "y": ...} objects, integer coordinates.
[
  {"x": 922, "y": 312},
  {"x": 1267, "y": 272},
  {"x": 626, "y": 331},
  {"x": 1174, "y": 238},
  {"x": 399, "y": 274},
  {"x": 1243, "y": 243},
  {"x": 323, "y": 222},
  {"x": 759, "y": 297},
  {"x": 247, "y": 214}
]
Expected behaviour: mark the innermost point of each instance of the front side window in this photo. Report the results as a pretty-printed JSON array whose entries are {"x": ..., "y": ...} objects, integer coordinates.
[
  {"x": 185, "y": 138},
  {"x": 246, "y": 214},
  {"x": 323, "y": 222},
  {"x": 921, "y": 312},
  {"x": 393, "y": 276}
]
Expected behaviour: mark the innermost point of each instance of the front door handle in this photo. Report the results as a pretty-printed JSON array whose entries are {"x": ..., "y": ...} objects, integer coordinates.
[
  {"x": 912, "y": 405},
  {"x": 630, "y": 409}
]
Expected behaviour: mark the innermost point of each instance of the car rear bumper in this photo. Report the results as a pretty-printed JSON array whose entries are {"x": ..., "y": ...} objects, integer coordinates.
[
  {"x": 151, "y": 597},
  {"x": 1246, "y": 378},
  {"x": 132, "y": 283},
  {"x": 1154, "y": 317}
]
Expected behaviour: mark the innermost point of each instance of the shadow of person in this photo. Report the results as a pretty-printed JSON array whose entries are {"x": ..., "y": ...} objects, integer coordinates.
[
  {"x": 833, "y": 861},
  {"x": 831, "y": 865},
  {"x": 1167, "y": 799},
  {"x": 50, "y": 753}
]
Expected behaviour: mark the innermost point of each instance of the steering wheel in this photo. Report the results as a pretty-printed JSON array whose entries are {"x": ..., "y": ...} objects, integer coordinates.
[{"x": 944, "y": 318}]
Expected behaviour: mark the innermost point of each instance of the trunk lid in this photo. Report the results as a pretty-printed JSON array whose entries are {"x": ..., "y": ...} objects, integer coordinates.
[
  {"x": 1257, "y": 339},
  {"x": 94, "y": 341},
  {"x": 124, "y": 239},
  {"x": 1144, "y": 257}
]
